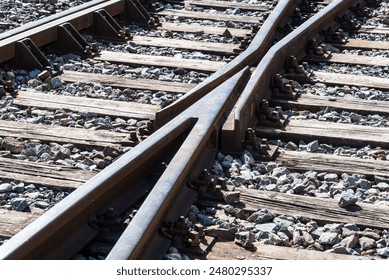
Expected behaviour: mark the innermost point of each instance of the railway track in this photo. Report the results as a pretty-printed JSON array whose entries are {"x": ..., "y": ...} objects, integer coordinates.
[{"x": 253, "y": 85}]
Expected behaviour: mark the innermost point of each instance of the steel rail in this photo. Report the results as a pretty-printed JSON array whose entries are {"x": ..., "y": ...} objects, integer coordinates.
[
  {"x": 262, "y": 41},
  {"x": 202, "y": 121},
  {"x": 274, "y": 62},
  {"x": 207, "y": 112},
  {"x": 45, "y": 31}
]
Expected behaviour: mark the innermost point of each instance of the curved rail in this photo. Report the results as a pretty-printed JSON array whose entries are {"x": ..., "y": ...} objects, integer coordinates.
[
  {"x": 191, "y": 139},
  {"x": 201, "y": 122},
  {"x": 275, "y": 60},
  {"x": 262, "y": 41}
]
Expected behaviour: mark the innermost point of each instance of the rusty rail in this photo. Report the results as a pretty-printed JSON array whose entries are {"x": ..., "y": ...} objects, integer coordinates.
[
  {"x": 191, "y": 141},
  {"x": 262, "y": 41},
  {"x": 274, "y": 62}
]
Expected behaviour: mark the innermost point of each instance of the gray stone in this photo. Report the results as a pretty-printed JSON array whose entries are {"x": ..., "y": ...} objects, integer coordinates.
[
  {"x": 81, "y": 166},
  {"x": 33, "y": 195},
  {"x": 383, "y": 187},
  {"x": 343, "y": 250},
  {"x": 299, "y": 188},
  {"x": 260, "y": 216},
  {"x": 307, "y": 239},
  {"x": 353, "y": 227},
  {"x": 41, "y": 204},
  {"x": 291, "y": 146},
  {"x": 217, "y": 168},
  {"x": 347, "y": 199},
  {"x": 5, "y": 187},
  {"x": 62, "y": 153},
  {"x": 283, "y": 221},
  {"x": 205, "y": 219},
  {"x": 247, "y": 157},
  {"x": 56, "y": 82},
  {"x": 236, "y": 212},
  {"x": 244, "y": 239},
  {"x": 30, "y": 187},
  {"x": 297, "y": 238},
  {"x": 88, "y": 162},
  {"x": 279, "y": 171},
  {"x": 20, "y": 204},
  {"x": 311, "y": 226},
  {"x": 333, "y": 227},
  {"x": 232, "y": 197},
  {"x": 367, "y": 243},
  {"x": 331, "y": 177},
  {"x": 383, "y": 252},
  {"x": 244, "y": 176},
  {"x": 272, "y": 188},
  {"x": 329, "y": 238},
  {"x": 371, "y": 191},
  {"x": 370, "y": 234},
  {"x": 270, "y": 166},
  {"x": 265, "y": 227},
  {"x": 350, "y": 182},
  {"x": 310, "y": 174},
  {"x": 379, "y": 179},
  {"x": 350, "y": 241},
  {"x": 19, "y": 188},
  {"x": 274, "y": 239},
  {"x": 283, "y": 179},
  {"x": 364, "y": 184},
  {"x": 313, "y": 146},
  {"x": 45, "y": 157}
]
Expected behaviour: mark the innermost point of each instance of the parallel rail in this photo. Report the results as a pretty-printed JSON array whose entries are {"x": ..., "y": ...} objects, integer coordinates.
[{"x": 211, "y": 116}]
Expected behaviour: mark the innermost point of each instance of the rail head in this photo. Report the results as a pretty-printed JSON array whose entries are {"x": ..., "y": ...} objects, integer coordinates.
[
  {"x": 254, "y": 52},
  {"x": 274, "y": 62}
]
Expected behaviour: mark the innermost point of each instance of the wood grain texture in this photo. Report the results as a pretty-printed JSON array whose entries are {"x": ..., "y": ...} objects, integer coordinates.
[
  {"x": 82, "y": 104},
  {"x": 364, "y": 44},
  {"x": 11, "y": 222},
  {"x": 208, "y": 47},
  {"x": 230, "y": 5},
  {"x": 61, "y": 134},
  {"x": 209, "y": 16},
  {"x": 332, "y": 163},
  {"x": 193, "y": 28},
  {"x": 336, "y": 133},
  {"x": 231, "y": 251},
  {"x": 351, "y": 80},
  {"x": 322, "y": 210},
  {"x": 317, "y": 102},
  {"x": 160, "y": 61},
  {"x": 43, "y": 174},
  {"x": 123, "y": 82},
  {"x": 350, "y": 59}
]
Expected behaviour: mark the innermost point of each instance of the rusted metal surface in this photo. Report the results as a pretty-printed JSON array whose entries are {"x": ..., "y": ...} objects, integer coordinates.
[
  {"x": 274, "y": 62},
  {"x": 207, "y": 115},
  {"x": 201, "y": 122},
  {"x": 255, "y": 51},
  {"x": 45, "y": 31},
  {"x": 190, "y": 140}
]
